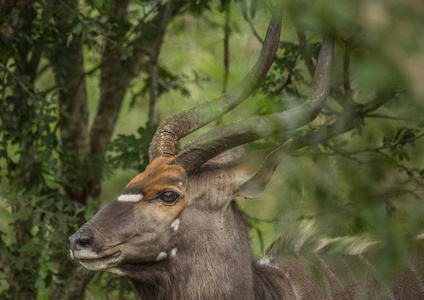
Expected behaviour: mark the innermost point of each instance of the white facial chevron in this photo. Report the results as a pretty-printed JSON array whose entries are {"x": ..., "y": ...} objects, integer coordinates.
[{"x": 130, "y": 198}]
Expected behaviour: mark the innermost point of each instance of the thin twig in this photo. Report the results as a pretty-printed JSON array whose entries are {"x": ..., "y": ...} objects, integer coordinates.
[
  {"x": 398, "y": 142},
  {"x": 300, "y": 218},
  {"x": 153, "y": 70},
  {"x": 49, "y": 90},
  {"x": 412, "y": 177},
  {"x": 287, "y": 81},
  {"x": 153, "y": 92},
  {"x": 80, "y": 19},
  {"x": 143, "y": 19},
  {"x": 344, "y": 154},
  {"x": 43, "y": 69},
  {"x": 392, "y": 118},
  {"x": 226, "y": 45},
  {"x": 6, "y": 156},
  {"x": 246, "y": 17},
  {"x": 89, "y": 72},
  {"x": 254, "y": 31},
  {"x": 305, "y": 52},
  {"x": 344, "y": 123},
  {"x": 346, "y": 69},
  {"x": 380, "y": 100},
  {"x": 169, "y": 85}
]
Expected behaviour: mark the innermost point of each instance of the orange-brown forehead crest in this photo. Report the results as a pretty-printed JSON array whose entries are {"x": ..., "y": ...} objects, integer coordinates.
[{"x": 160, "y": 169}]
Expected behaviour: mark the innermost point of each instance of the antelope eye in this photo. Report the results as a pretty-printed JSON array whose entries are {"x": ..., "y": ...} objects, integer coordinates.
[{"x": 169, "y": 197}]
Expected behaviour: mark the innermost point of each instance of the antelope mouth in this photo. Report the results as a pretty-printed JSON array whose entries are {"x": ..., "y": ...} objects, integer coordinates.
[
  {"x": 95, "y": 262},
  {"x": 114, "y": 255}
]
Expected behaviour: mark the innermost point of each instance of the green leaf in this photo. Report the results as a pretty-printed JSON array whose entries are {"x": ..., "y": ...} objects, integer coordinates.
[
  {"x": 88, "y": 215},
  {"x": 40, "y": 284},
  {"x": 69, "y": 39}
]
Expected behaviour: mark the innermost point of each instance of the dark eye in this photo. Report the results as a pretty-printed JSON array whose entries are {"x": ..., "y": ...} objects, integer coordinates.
[{"x": 169, "y": 197}]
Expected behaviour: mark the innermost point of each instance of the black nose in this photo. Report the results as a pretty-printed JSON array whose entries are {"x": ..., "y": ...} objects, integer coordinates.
[{"x": 80, "y": 241}]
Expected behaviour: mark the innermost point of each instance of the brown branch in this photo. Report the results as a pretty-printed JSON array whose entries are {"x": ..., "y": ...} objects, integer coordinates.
[
  {"x": 350, "y": 45},
  {"x": 227, "y": 6},
  {"x": 255, "y": 33},
  {"x": 305, "y": 52},
  {"x": 81, "y": 18},
  {"x": 143, "y": 19},
  {"x": 6, "y": 7},
  {"x": 169, "y": 85},
  {"x": 414, "y": 178},
  {"x": 3, "y": 109},
  {"x": 8, "y": 272},
  {"x": 399, "y": 141},
  {"x": 346, "y": 122},
  {"x": 51, "y": 89},
  {"x": 175, "y": 8},
  {"x": 377, "y": 103},
  {"x": 113, "y": 87},
  {"x": 89, "y": 72},
  {"x": 392, "y": 118},
  {"x": 300, "y": 218},
  {"x": 72, "y": 97},
  {"x": 252, "y": 27},
  {"x": 346, "y": 70},
  {"x": 285, "y": 83},
  {"x": 341, "y": 153},
  {"x": 153, "y": 93},
  {"x": 43, "y": 69},
  {"x": 153, "y": 70}
]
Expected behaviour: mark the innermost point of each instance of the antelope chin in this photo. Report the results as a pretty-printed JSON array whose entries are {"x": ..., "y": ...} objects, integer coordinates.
[{"x": 95, "y": 262}]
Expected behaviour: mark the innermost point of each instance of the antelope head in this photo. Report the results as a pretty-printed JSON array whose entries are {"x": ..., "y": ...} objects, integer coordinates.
[{"x": 179, "y": 215}]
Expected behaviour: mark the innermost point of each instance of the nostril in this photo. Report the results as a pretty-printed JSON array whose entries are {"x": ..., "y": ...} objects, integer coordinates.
[
  {"x": 84, "y": 242},
  {"x": 80, "y": 241}
]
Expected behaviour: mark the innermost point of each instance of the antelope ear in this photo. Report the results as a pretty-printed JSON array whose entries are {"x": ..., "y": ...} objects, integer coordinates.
[{"x": 253, "y": 177}]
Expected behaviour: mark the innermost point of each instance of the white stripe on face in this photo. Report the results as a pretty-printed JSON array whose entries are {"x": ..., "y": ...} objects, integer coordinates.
[
  {"x": 130, "y": 198},
  {"x": 175, "y": 224},
  {"x": 161, "y": 256}
]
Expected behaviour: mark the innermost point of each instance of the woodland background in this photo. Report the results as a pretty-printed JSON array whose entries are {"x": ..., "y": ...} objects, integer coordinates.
[{"x": 84, "y": 84}]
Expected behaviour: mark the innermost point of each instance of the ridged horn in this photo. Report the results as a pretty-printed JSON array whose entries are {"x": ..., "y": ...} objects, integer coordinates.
[
  {"x": 224, "y": 137},
  {"x": 184, "y": 123}
]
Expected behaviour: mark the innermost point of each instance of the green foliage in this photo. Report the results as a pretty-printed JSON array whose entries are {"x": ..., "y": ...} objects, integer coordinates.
[
  {"x": 168, "y": 82},
  {"x": 355, "y": 174},
  {"x": 112, "y": 287},
  {"x": 39, "y": 215},
  {"x": 131, "y": 152},
  {"x": 39, "y": 221}
]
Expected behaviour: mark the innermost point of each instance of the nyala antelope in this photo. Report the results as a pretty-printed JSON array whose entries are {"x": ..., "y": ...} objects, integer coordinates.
[{"x": 176, "y": 231}]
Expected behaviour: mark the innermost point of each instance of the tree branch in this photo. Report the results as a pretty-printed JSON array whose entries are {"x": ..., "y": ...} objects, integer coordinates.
[
  {"x": 247, "y": 18},
  {"x": 399, "y": 141},
  {"x": 51, "y": 89},
  {"x": 346, "y": 69},
  {"x": 305, "y": 52},
  {"x": 43, "y": 69},
  {"x": 153, "y": 70},
  {"x": 285, "y": 83},
  {"x": 6, "y": 7},
  {"x": 391, "y": 118},
  {"x": 346, "y": 122},
  {"x": 226, "y": 4}
]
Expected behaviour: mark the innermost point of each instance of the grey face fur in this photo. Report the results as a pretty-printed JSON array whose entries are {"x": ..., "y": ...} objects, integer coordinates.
[{"x": 200, "y": 238}]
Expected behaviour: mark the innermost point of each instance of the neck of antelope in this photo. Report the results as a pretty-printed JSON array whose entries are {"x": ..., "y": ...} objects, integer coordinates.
[{"x": 214, "y": 262}]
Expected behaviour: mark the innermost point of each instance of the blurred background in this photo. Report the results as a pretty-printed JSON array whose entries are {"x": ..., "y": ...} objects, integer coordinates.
[{"x": 84, "y": 84}]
